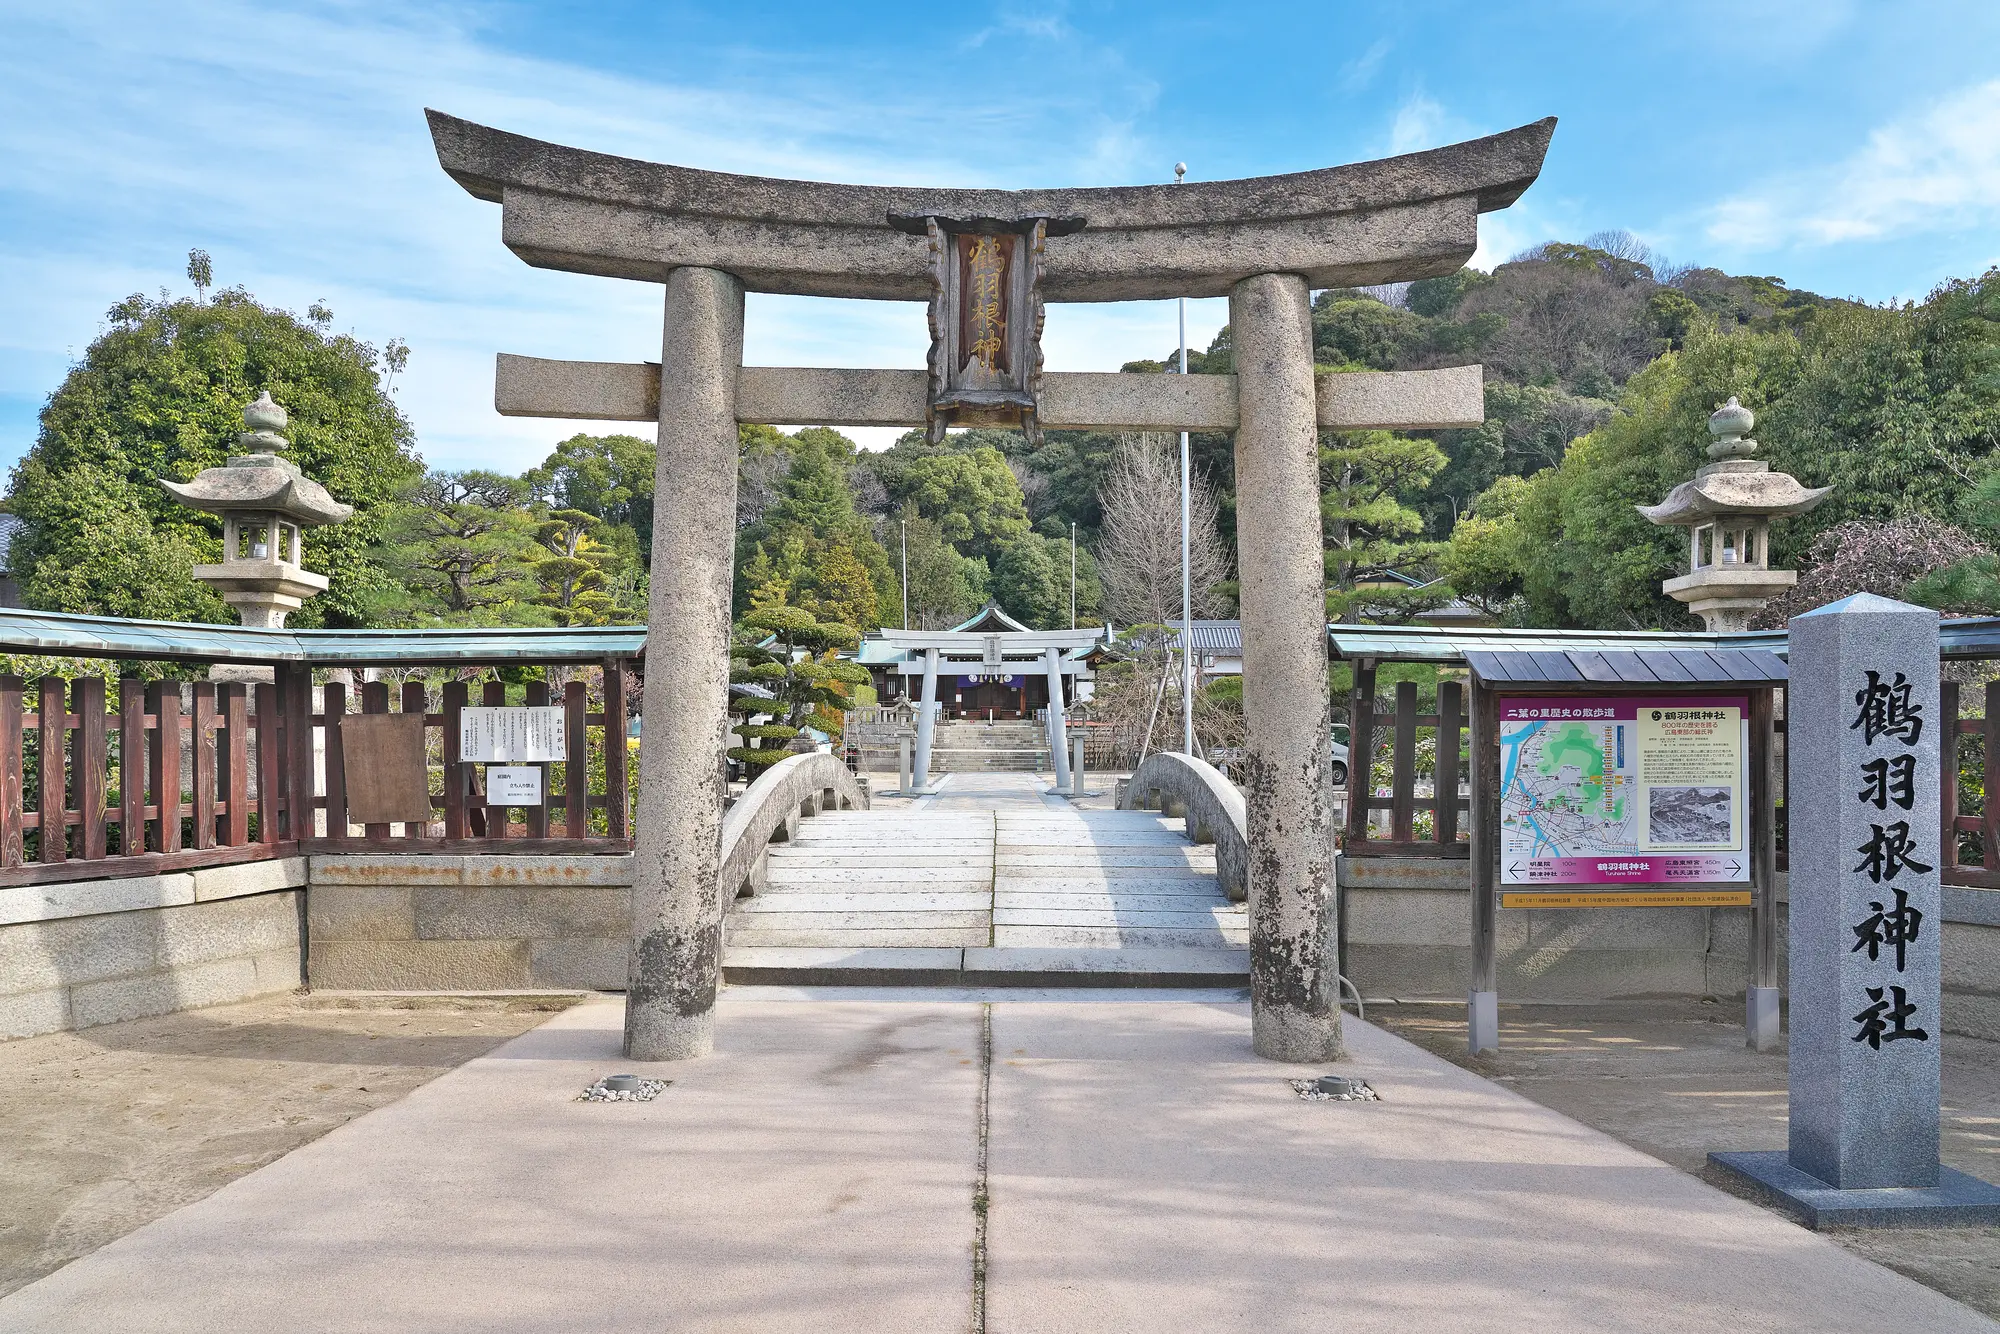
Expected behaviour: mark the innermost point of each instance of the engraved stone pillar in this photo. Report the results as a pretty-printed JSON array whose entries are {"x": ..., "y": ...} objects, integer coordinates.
[
  {"x": 676, "y": 913},
  {"x": 1295, "y": 1014},
  {"x": 1866, "y": 919},
  {"x": 1863, "y": 708}
]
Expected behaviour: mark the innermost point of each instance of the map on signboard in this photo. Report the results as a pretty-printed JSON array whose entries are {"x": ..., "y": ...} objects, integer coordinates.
[
  {"x": 1567, "y": 790},
  {"x": 1611, "y": 791}
]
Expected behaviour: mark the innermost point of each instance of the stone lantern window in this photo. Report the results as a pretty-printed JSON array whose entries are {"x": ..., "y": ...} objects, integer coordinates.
[{"x": 266, "y": 505}]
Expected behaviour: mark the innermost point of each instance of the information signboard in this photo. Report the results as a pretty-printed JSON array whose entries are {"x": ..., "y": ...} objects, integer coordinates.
[
  {"x": 1601, "y": 794},
  {"x": 513, "y": 785},
  {"x": 511, "y": 735}
]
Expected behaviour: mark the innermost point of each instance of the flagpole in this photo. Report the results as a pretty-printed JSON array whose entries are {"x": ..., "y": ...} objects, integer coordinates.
[{"x": 1187, "y": 590}]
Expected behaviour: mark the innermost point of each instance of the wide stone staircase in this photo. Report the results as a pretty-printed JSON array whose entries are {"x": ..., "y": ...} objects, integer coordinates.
[
  {"x": 987, "y": 748},
  {"x": 1037, "y": 896}
]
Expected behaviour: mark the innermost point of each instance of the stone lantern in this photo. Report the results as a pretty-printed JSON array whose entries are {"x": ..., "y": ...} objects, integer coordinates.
[
  {"x": 1727, "y": 510},
  {"x": 266, "y": 505}
]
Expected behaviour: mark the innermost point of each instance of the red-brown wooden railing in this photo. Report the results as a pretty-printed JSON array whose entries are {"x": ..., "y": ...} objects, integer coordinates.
[
  {"x": 1445, "y": 805},
  {"x": 1984, "y": 734},
  {"x": 108, "y": 797}
]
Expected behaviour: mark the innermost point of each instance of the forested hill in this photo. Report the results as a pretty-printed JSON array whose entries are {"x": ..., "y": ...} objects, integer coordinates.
[{"x": 1601, "y": 362}]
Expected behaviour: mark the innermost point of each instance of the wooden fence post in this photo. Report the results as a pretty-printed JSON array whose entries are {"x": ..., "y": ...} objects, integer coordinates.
[
  {"x": 163, "y": 761},
  {"x": 1989, "y": 810},
  {"x": 334, "y": 694},
  {"x": 131, "y": 767},
  {"x": 374, "y": 699},
  {"x": 416, "y": 701},
  {"x": 576, "y": 767},
  {"x": 52, "y": 756},
  {"x": 1444, "y": 825},
  {"x": 235, "y": 763},
  {"x": 493, "y": 695},
  {"x": 13, "y": 846},
  {"x": 1403, "y": 770},
  {"x": 538, "y": 816},
  {"x": 456, "y": 816},
  {"x": 89, "y": 762},
  {"x": 1360, "y": 751},
  {"x": 270, "y": 764},
  {"x": 616, "y": 800},
  {"x": 203, "y": 767}
]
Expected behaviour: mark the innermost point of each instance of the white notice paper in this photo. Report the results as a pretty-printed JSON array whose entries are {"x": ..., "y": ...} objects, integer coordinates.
[
  {"x": 511, "y": 736},
  {"x": 513, "y": 785}
]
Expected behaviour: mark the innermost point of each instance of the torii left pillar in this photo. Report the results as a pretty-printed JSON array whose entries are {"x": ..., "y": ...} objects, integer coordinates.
[{"x": 676, "y": 920}]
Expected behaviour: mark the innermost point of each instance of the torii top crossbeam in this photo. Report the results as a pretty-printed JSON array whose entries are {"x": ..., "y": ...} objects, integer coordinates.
[{"x": 1392, "y": 220}]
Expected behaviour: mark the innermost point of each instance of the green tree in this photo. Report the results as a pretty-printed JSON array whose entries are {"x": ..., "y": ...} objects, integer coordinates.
[
  {"x": 971, "y": 494},
  {"x": 160, "y": 393},
  {"x": 793, "y": 654},
  {"x": 945, "y": 587},
  {"x": 1368, "y": 479},
  {"x": 576, "y": 578},
  {"x": 1031, "y": 581},
  {"x": 97, "y": 552},
  {"x": 461, "y": 547},
  {"x": 607, "y": 476}
]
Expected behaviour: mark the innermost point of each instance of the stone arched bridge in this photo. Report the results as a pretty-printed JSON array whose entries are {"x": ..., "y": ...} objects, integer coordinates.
[{"x": 992, "y": 880}]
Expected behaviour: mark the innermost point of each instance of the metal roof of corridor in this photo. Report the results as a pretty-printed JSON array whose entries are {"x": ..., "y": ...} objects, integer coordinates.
[
  {"x": 1670, "y": 669},
  {"x": 1962, "y": 637},
  {"x": 64, "y": 634}
]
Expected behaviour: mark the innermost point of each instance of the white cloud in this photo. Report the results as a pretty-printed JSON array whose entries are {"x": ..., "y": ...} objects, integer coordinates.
[
  {"x": 1422, "y": 122},
  {"x": 1359, "y": 72},
  {"x": 1937, "y": 170},
  {"x": 291, "y": 145}
]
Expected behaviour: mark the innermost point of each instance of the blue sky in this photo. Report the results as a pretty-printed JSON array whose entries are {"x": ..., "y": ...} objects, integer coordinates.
[{"x": 1850, "y": 148}]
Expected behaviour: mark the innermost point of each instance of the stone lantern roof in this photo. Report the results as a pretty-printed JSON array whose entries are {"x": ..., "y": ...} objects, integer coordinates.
[
  {"x": 1735, "y": 483},
  {"x": 262, "y": 480}
]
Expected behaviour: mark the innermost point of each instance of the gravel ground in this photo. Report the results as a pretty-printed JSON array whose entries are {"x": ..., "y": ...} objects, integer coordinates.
[
  {"x": 1675, "y": 1081},
  {"x": 109, "y": 1128}
]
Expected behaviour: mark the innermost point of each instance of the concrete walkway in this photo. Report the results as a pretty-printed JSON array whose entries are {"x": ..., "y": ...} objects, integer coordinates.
[{"x": 1146, "y": 1172}]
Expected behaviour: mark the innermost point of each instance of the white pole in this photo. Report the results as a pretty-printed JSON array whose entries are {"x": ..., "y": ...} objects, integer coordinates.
[
  {"x": 906, "y": 574},
  {"x": 1187, "y": 591},
  {"x": 1072, "y": 575}
]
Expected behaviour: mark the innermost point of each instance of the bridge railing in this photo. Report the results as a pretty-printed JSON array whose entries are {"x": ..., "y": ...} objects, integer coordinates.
[
  {"x": 1195, "y": 790},
  {"x": 769, "y": 812}
]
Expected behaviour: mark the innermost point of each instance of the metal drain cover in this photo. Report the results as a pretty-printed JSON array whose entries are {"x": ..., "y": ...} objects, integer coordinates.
[
  {"x": 623, "y": 1088},
  {"x": 1334, "y": 1088}
]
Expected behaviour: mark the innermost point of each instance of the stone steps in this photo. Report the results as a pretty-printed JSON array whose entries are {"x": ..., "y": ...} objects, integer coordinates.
[{"x": 1034, "y": 896}]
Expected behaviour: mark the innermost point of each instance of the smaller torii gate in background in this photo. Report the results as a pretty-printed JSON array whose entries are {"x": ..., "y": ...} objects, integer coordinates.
[{"x": 986, "y": 260}]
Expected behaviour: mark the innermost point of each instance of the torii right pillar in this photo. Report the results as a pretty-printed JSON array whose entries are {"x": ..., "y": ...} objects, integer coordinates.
[{"x": 1294, "y": 990}]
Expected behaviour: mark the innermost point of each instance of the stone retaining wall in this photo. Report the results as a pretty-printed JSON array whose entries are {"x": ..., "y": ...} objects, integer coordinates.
[
  {"x": 470, "y": 923},
  {"x": 96, "y": 951}
]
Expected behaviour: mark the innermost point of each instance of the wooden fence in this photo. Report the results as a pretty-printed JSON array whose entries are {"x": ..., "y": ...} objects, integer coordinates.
[
  {"x": 143, "y": 787},
  {"x": 1401, "y": 725},
  {"x": 1978, "y": 740}
]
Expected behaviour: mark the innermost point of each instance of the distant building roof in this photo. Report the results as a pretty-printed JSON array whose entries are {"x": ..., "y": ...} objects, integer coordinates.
[
  {"x": 10, "y": 524},
  {"x": 1220, "y": 637}
]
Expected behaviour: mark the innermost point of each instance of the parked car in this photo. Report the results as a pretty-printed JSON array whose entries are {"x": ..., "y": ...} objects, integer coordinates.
[{"x": 1338, "y": 769}]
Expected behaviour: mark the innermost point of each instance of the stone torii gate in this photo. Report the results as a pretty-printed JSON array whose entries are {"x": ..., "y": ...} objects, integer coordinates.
[{"x": 986, "y": 260}]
